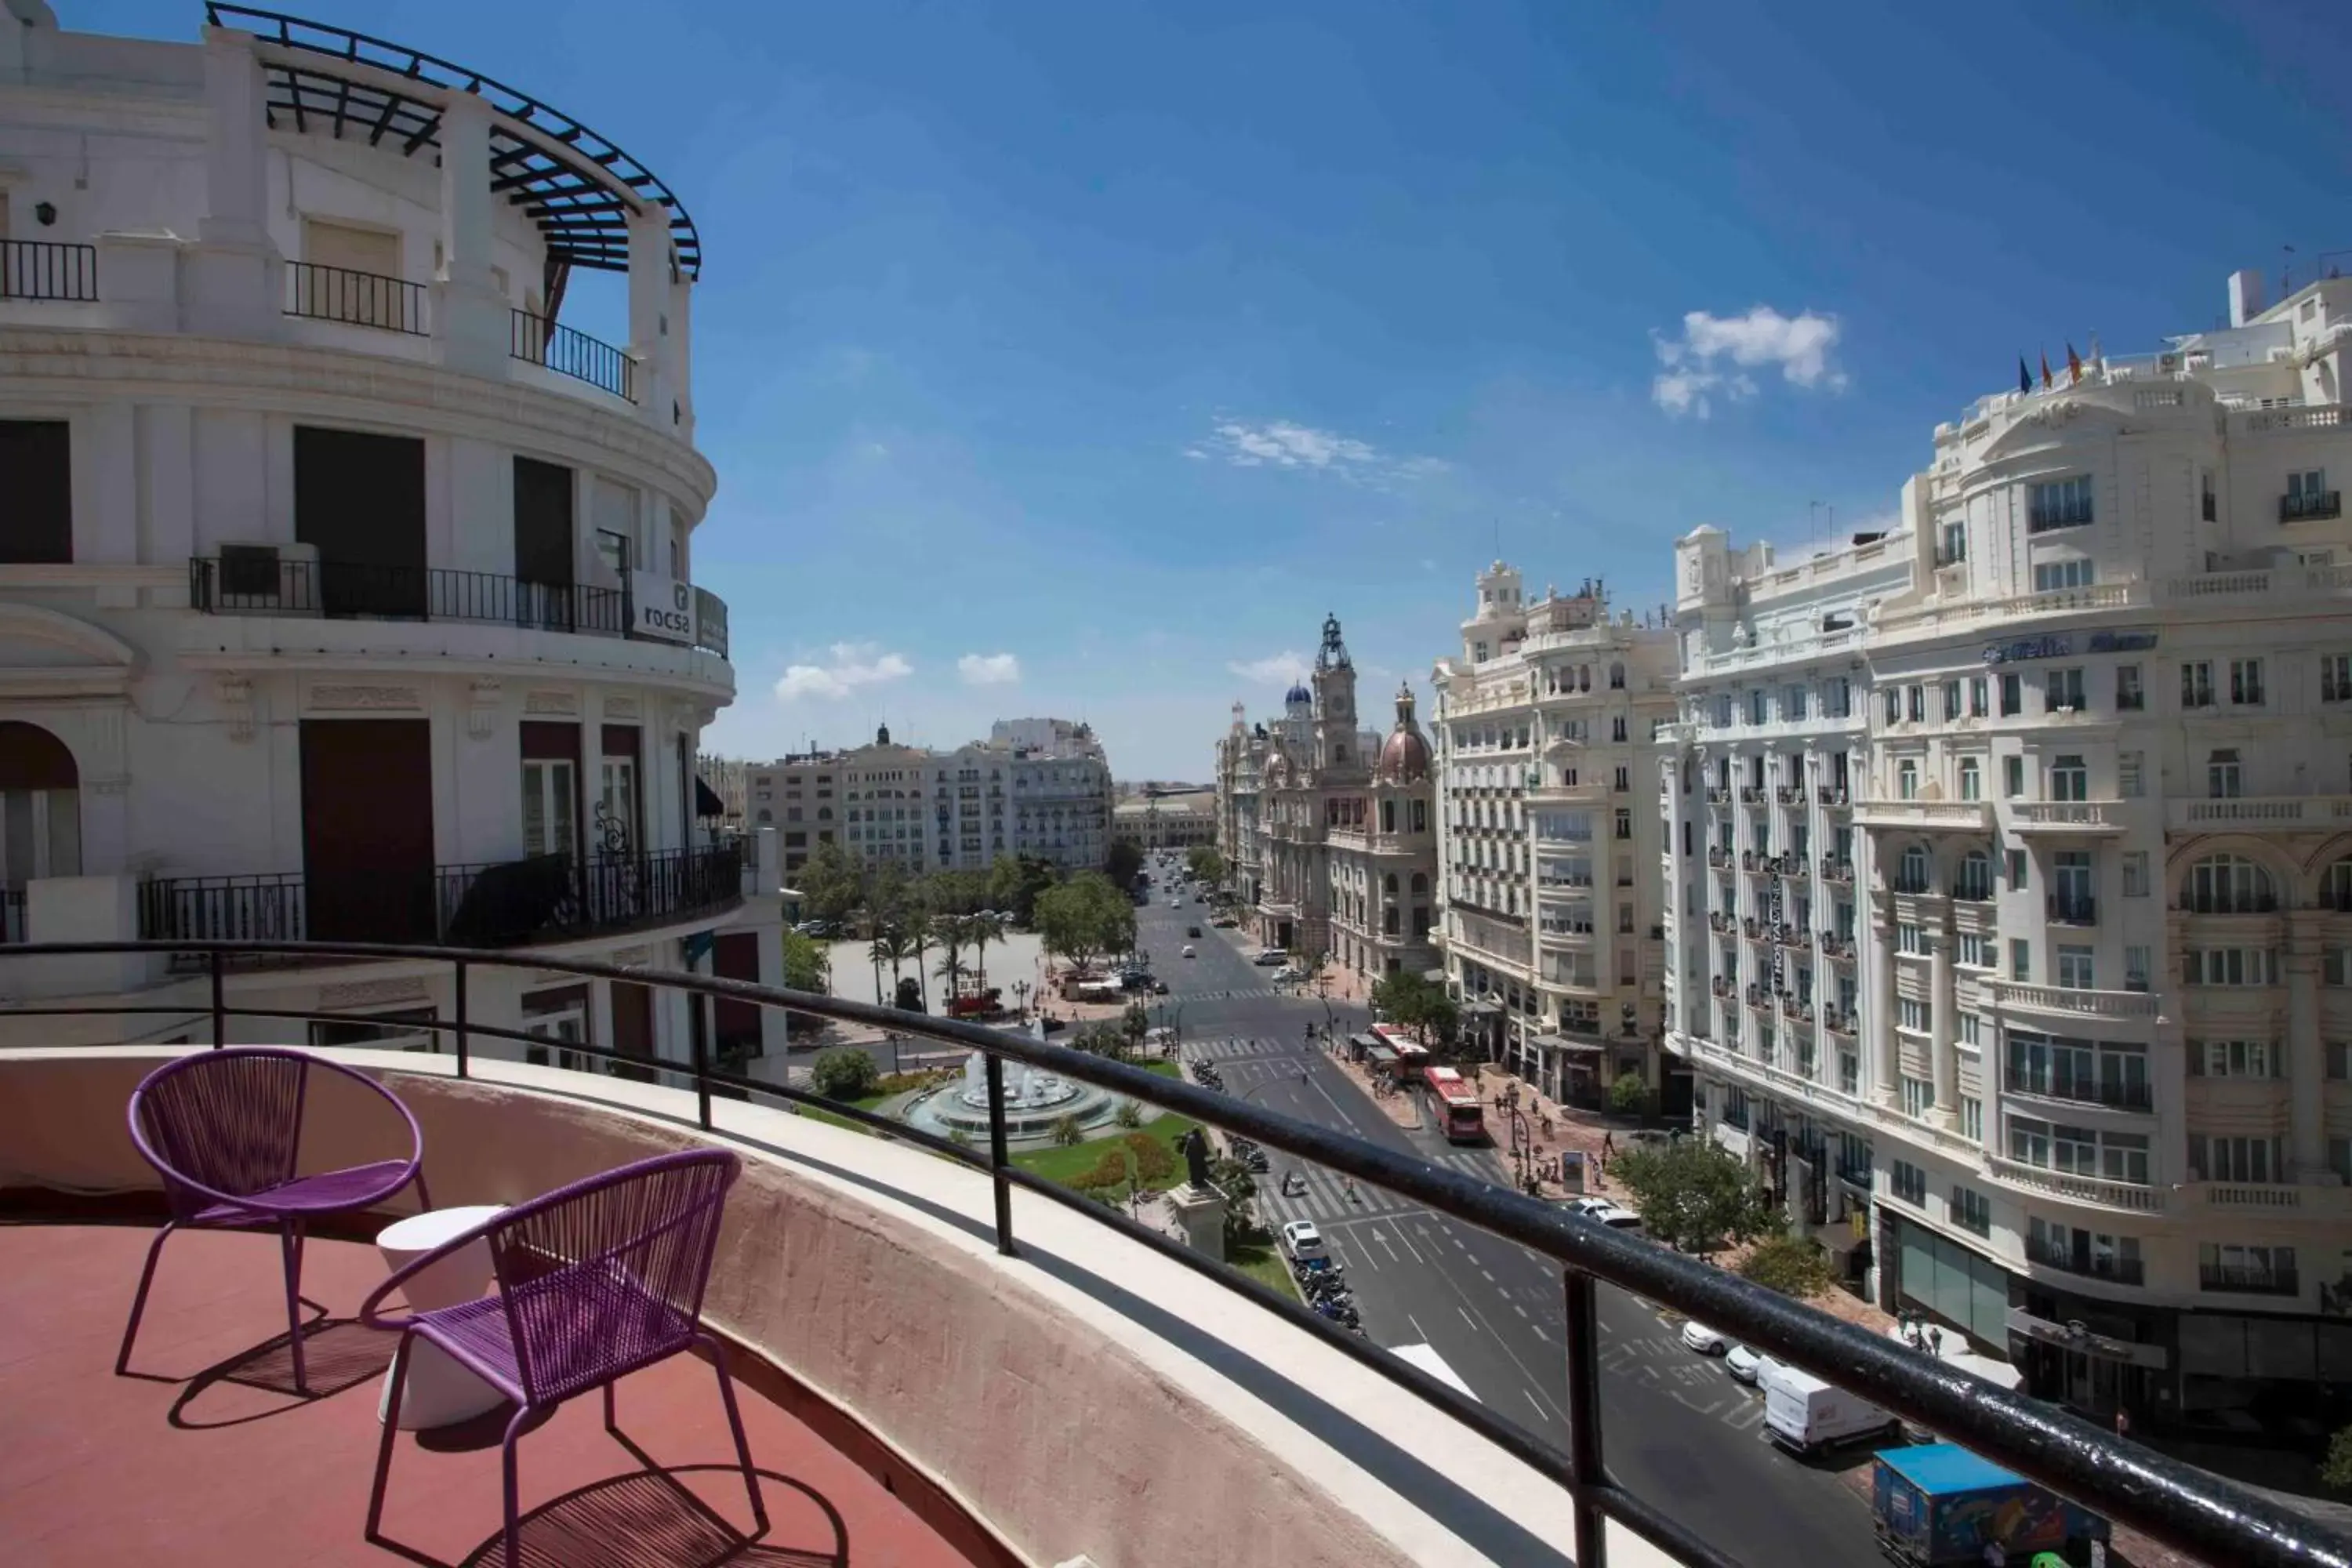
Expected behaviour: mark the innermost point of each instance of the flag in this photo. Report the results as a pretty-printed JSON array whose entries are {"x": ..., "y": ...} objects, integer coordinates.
[
  {"x": 2024, "y": 376},
  {"x": 2046, "y": 373},
  {"x": 2073, "y": 366}
]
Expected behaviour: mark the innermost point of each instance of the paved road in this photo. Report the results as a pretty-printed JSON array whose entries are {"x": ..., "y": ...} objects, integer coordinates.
[{"x": 1676, "y": 1429}]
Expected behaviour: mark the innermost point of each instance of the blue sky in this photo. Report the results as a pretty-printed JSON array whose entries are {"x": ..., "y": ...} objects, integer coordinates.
[{"x": 1077, "y": 358}]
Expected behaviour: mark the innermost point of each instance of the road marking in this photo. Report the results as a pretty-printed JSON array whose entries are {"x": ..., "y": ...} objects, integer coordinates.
[
  {"x": 1383, "y": 1238},
  {"x": 1409, "y": 1246},
  {"x": 1490, "y": 1278},
  {"x": 1538, "y": 1404},
  {"x": 1540, "y": 1333},
  {"x": 1420, "y": 1331},
  {"x": 1466, "y": 1317},
  {"x": 1522, "y": 1311}
]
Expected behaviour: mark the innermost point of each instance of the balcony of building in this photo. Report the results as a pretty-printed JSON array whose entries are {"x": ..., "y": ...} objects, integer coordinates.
[
  {"x": 1926, "y": 815},
  {"x": 2261, "y": 813},
  {"x": 2083, "y": 1261},
  {"x": 2310, "y": 506},
  {"x": 2093, "y": 1191},
  {"x": 2135, "y": 1010},
  {"x": 2073, "y": 909},
  {"x": 2066, "y": 818},
  {"x": 921, "y": 1317}
]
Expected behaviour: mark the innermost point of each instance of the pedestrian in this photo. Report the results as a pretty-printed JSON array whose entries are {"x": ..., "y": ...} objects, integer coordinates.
[
  {"x": 1608, "y": 1145},
  {"x": 1935, "y": 1340},
  {"x": 2123, "y": 1422}
]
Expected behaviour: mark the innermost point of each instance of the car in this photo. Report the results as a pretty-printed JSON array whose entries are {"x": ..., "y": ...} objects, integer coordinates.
[
  {"x": 1606, "y": 1213},
  {"x": 1301, "y": 1241},
  {"x": 1175, "y": 903},
  {"x": 1192, "y": 932},
  {"x": 1188, "y": 946},
  {"x": 1158, "y": 986},
  {"x": 1200, "y": 898},
  {"x": 1288, "y": 972},
  {"x": 1744, "y": 1362},
  {"x": 1698, "y": 1337},
  {"x": 1270, "y": 955}
]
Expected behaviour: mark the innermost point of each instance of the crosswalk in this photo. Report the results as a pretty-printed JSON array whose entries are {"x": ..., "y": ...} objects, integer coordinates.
[
  {"x": 1243, "y": 993},
  {"x": 1238, "y": 1048},
  {"x": 1329, "y": 1198}
]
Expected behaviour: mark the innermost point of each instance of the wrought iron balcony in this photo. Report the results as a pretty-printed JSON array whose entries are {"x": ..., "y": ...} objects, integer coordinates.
[
  {"x": 260, "y": 581},
  {"x": 2115, "y": 1093},
  {"x": 1838, "y": 1020},
  {"x": 356, "y": 299},
  {"x": 2310, "y": 506},
  {"x": 1837, "y": 869},
  {"x": 567, "y": 350},
  {"x": 1789, "y": 794},
  {"x": 2249, "y": 1281},
  {"x": 2072, "y": 909},
  {"x": 45, "y": 269},
  {"x": 510, "y": 903}
]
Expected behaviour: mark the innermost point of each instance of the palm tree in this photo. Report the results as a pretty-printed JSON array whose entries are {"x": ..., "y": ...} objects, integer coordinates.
[
  {"x": 982, "y": 928},
  {"x": 918, "y": 938},
  {"x": 879, "y": 954},
  {"x": 892, "y": 947}
]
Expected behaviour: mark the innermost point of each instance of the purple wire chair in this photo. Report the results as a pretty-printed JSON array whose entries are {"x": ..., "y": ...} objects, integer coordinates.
[
  {"x": 596, "y": 1280},
  {"x": 223, "y": 1128}
]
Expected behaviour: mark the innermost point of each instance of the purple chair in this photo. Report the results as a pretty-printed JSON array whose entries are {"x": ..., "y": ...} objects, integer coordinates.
[
  {"x": 224, "y": 1129},
  {"x": 595, "y": 1280}
]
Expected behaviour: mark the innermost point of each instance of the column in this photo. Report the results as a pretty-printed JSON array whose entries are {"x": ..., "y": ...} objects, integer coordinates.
[
  {"x": 234, "y": 274},
  {"x": 649, "y": 322},
  {"x": 2306, "y": 1064},
  {"x": 471, "y": 317},
  {"x": 1943, "y": 1026},
  {"x": 1878, "y": 1015}
]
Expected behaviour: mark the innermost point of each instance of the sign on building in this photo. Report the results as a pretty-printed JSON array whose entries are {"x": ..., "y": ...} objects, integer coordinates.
[{"x": 662, "y": 608}]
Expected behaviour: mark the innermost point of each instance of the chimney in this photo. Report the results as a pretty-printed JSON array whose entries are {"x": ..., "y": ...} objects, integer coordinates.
[{"x": 2246, "y": 296}]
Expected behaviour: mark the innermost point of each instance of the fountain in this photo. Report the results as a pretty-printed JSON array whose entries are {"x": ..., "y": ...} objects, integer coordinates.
[{"x": 1034, "y": 1102}]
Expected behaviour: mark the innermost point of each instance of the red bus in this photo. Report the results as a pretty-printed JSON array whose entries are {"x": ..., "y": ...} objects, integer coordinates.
[{"x": 1463, "y": 1120}]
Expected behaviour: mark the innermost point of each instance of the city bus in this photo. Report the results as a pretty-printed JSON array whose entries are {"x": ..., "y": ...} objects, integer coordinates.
[{"x": 1459, "y": 1116}]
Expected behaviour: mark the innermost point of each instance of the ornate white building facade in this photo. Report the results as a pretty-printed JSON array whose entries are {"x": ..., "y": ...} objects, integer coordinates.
[
  {"x": 344, "y": 593},
  {"x": 2014, "y": 853},
  {"x": 1548, "y": 724}
]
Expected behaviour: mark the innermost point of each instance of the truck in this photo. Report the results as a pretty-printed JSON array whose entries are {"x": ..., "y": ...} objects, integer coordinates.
[
  {"x": 1807, "y": 1416},
  {"x": 1939, "y": 1504}
]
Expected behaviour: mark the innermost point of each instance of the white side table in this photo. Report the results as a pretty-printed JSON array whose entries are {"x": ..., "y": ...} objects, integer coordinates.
[{"x": 439, "y": 1390}]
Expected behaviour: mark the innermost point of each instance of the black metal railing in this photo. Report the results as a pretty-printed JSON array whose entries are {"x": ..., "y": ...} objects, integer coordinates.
[
  {"x": 325, "y": 293},
  {"x": 2309, "y": 505},
  {"x": 2088, "y": 1264},
  {"x": 2230, "y": 903},
  {"x": 263, "y": 582},
  {"x": 2249, "y": 1281},
  {"x": 2119, "y": 1094},
  {"x": 570, "y": 351},
  {"x": 490, "y": 905},
  {"x": 48, "y": 269},
  {"x": 2072, "y": 909},
  {"x": 2186, "y": 1509}
]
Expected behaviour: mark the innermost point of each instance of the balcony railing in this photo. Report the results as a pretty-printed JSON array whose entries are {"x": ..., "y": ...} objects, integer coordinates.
[
  {"x": 356, "y": 299},
  {"x": 2089, "y": 1265},
  {"x": 1836, "y": 869},
  {"x": 2072, "y": 909},
  {"x": 494, "y": 905},
  {"x": 568, "y": 352},
  {"x": 2188, "y": 1510},
  {"x": 2066, "y": 815},
  {"x": 45, "y": 269},
  {"x": 1969, "y": 816},
  {"x": 2310, "y": 506},
  {"x": 2116, "y": 1094},
  {"x": 2068, "y": 999},
  {"x": 2288, "y": 812},
  {"x": 2249, "y": 1281},
  {"x": 260, "y": 582}
]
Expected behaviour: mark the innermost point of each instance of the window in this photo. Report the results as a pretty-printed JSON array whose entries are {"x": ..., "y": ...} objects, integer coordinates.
[
  {"x": 2219, "y": 1158},
  {"x": 2228, "y": 884},
  {"x": 2075, "y": 969},
  {"x": 1906, "y": 780},
  {"x": 2020, "y": 960},
  {"x": 2062, "y": 692},
  {"x": 2129, "y": 695},
  {"x": 1910, "y": 1181},
  {"x": 2016, "y": 870},
  {"x": 1955, "y": 544},
  {"x": 1918, "y": 1097},
  {"x": 2339, "y": 1056},
  {"x": 1909, "y": 938},
  {"x": 1979, "y": 696},
  {"x": 1971, "y": 779},
  {"x": 548, "y": 800},
  {"x": 1951, "y": 704},
  {"x": 2080, "y": 1151},
  {"x": 2059, "y": 504},
  {"x": 2196, "y": 683},
  {"x": 1616, "y": 678},
  {"x": 1977, "y": 950},
  {"x": 2224, "y": 780},
  {"x": 2135, "y": 967},
  {"x": 2246, "y": 682},
  {"x": 2013, "y": 695},
  {"x": 37, "y": 457},
  {"x": 2336, "y": 678},
  {"x": 1971, "y": 1210},
  {"x": 2224, "y": 1266},
  {"x": 1894, "y": 706},
  {"x": 1914, "y": 872},
  {"x": 1912, "y": 1014},
  {"x": 1915, "y": 701},
  {"x": 2233, "y": 1058},
  {"x": 2050, "y": 576},
  {"x": 2128, "y": 778},
  {"x": 1973, "y": 878},
  {"x": 1756, "y": 708},
  {"x": 1624, "y": 824},
  {"x": 1794, "y": 702},
  {"x": 2135, "y": 873},
  {"x": 2229, "y": 966},
  {"x": 2013, "y": 777},
  {"x": 1972, "y": 1117},
  {"x": 2307, "y": 496},
  {"x": 1837, "y": 696},
  {"x": 2069, "y": 779}
]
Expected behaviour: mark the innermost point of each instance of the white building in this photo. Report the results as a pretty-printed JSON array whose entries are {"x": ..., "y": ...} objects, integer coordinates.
[
  {"x": 1548, "y": 725},
  {"x": 344, "y": 593},
  {"x": 1153, "y": 821},
  {"x": 2091, "y": 709}
]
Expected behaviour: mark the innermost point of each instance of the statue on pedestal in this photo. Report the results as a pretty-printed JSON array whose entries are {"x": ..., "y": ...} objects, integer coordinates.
[{"x": 1195, "y": 1146}]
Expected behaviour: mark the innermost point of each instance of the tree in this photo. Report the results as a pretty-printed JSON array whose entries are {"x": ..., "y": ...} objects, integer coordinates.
[
  {"x": 983, "y": 928},
  {"x": 1419, "y": 1005},
  {"x": 1123, "y": 862},
  {"x": 806, "y": 963},
  {"x": 890, "y": 895},
  {"x": 1085, "y": 917},
  {"x": 1628, "y": 1094},
  {"x": 1790, "y": 1265},
  {"x": 884, "y": 949},
  {"x": 1133, "y": 1025},
  {"x": 1066, "y": 1131},
  {"x": 832, "y": 883},
  {"x": 844, "y": 1072},
  {"x": 2336, "y": 1470},
  {"x": 1233, "y": 1178},
  {"x": 1208, "y": 866},
  {"x": 1016, "y": 884},
  {"x": 1694, "y": 1195},
  {"x": 949, "y": 931}
]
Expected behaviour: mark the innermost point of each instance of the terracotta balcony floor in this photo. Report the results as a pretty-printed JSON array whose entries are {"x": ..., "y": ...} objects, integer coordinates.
[{"x": 207, "y": 1456}]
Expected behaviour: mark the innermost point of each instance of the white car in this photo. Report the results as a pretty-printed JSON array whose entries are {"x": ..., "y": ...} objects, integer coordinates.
[
  {"x": 1288, "y": 972},
  {"x": 1302, "y": 1241},
  {"x": 1697, "y": 1336},
  {"x": 1743, "y": 1363},
  {"x": 1606, "y": 1213},
  {"x": 1188, "y": 952}
]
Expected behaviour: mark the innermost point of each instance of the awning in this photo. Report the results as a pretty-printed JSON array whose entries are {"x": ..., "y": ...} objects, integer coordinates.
[
  {"x": 706, "y": 800},
  {"x": 1480, "y": 1009},
  {"x": 1562, "y": 1043}
]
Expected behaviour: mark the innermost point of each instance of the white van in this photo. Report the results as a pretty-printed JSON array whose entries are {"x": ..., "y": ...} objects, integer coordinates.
[{"x": 1806, "y": 1415}]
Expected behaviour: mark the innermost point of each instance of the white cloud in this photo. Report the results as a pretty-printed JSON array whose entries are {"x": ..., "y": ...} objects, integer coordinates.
[
  {"x": 848, "y": 666},
  {"x": 1284, "y": 668},
  {"x": 1283, "y": 444},
  {"x": 988, "y": 669},
  {"x": 1713, "y": 355}
]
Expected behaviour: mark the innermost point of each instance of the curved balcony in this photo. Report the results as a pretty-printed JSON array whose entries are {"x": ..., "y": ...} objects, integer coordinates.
[
  {"x": 952, "y": 1311},
  {"x": 1926, "y": 815},
  {"x": 2066, "y": 819},
  {"x": 2136, "y": 1009}
]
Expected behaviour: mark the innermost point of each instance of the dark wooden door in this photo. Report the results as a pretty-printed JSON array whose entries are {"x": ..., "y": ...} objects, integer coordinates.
[
  {"x": 735, "y": 956},
  {"x": 37, "y": 465},
  {"x": 367, "y": 829},
  {"x": 360, "y": 499},
  {"x": 632, "y": 1027},
  {"x": 543, "y": 545}
]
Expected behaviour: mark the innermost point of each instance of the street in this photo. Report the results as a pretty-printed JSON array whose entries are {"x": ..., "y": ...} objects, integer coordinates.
[{"x": 1676, "y": 1429}]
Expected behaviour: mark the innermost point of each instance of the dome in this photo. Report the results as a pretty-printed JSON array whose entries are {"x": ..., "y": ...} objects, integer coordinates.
[
  {"x": 1300, "y": 696},
  {"x": 1404, "y": 758}
]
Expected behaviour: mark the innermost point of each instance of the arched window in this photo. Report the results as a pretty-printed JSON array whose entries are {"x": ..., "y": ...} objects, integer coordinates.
[
  {"x": 1388, "y": 885},
  {"x": 2228, "y": 884},
  {"x": 1387, "y": 816},
  {"x": 1617, "y": 678},
  {"x": 1912, "y": 872},
  {"x": 1421, "y": 816},
  {"x": 40, "y": 807},
  {"x": 2335, "y": 887},
  {"x": 1420, "y": 884},
  {"x": 1973, "y": 881},
  {"x": 1584, "y": 678}
]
